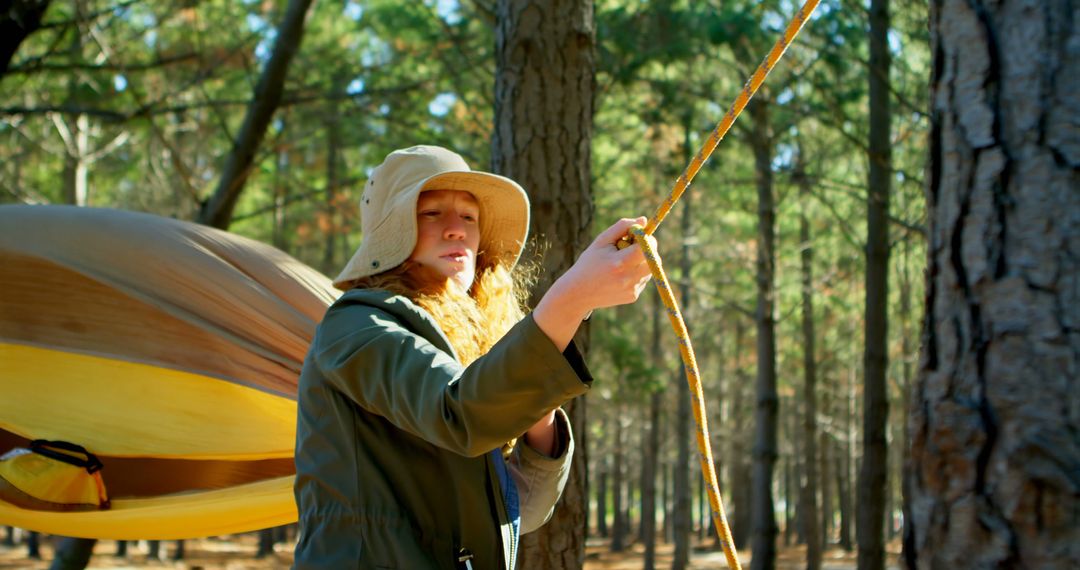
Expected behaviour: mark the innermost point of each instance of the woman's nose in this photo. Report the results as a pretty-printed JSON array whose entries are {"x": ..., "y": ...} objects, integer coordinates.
[{"x": 454, "y": 230}]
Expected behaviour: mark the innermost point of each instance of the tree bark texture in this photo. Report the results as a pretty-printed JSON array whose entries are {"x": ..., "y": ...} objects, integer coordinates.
[
  {"x": 873, "y": 480},
  {"x": 996, "y": 408},
  {"x": 544, "y": 84},
  {"x": 218, "y": 210},
  {"x": 764, "y": 529}
]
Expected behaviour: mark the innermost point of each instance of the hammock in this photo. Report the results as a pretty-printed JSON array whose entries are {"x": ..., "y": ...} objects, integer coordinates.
[{"x": 170, "y": 350}]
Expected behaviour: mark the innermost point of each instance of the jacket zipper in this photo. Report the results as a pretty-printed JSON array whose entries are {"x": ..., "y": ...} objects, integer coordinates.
[{"x": 465, "y": 557}]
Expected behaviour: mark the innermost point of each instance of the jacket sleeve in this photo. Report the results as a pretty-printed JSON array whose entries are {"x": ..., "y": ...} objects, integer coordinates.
[
  {"x": 371, "y": 358},
  {"x": 541, "y": 479}
]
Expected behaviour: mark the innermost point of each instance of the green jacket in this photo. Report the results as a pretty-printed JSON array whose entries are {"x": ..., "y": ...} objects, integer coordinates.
[{"x": 395, "y": 443}]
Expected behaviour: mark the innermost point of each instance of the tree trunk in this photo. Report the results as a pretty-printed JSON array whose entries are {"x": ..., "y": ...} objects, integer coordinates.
[
  {"x": 764, "y": 531},
  {"x": 73, "y": 553},
  {"x": 618, "y": 530},
  {"x": 809, "y": 490},
  {"x": 601, "y": 499},
  {"x": 121, "y": 549},
  {"x": 330, "y": 261},
  {"x": 280, "y": 232},
  {"x": 9, "y": 536},
  {"x": 19, "y": 19},
  {"x": 266, "y": 543},
  {"x": 652, "y": 450},
  {"x": 873, "y": 476},
  {"x": 153, "y": 549},
  {"x": 789, "y": 517},
  {"x": 544, "y": 83},
  {"x": 740, "y": 468},
  {"x": 178, "y": 554},
  {"x": 996, "y": 407},
  {"x": 843, "y": 466},
  {"x": 33, "y": 546},
  {"x": 218, "y": 210},
  {"x": 827, "y": 509},
  {"x": 683, "y": 502}
]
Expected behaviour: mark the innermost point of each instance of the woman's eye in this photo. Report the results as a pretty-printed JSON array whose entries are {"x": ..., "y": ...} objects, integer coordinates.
[
  {"x": 429, "y": 213},
  {"x": 469, "y": 218}
]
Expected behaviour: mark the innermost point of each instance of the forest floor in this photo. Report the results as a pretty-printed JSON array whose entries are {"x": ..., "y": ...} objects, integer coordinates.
[{"x": 238, "y": 553}]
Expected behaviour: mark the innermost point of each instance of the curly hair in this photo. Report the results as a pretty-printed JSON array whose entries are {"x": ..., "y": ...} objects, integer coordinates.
[{"x": 472, "y": 320}]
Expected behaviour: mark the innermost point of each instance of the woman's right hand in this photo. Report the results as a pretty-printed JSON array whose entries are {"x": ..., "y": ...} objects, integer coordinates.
[{"x": 603, "y": 276}]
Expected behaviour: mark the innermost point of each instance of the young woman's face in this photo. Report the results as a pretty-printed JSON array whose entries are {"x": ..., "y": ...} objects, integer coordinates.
[{"x": 448, "y": 234}]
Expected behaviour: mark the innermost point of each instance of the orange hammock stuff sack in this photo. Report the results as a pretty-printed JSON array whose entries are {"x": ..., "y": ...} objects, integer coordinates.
[{"x": 52, "y": 476}]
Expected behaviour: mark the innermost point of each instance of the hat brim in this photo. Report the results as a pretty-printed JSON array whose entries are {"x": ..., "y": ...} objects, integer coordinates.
[{"x": 504, "y": 221}]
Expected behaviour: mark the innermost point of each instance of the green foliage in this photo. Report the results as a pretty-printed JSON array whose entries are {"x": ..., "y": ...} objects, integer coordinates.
[{"x": 162, "y": 89}]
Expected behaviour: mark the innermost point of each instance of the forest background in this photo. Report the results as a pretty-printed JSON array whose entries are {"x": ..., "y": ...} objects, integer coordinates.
[{"x": 147, "y": 106}]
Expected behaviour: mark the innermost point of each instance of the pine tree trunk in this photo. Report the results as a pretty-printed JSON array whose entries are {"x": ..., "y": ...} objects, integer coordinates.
[
  {"x": 330, "y": 261},
  {"x": 73, "y": 553},
  {"x": 996, "y": 407},
  {"x": 217, "y": 211},
  {"x": 618, "y": 529},
  {"x": 764, "y": 531},
  {"x": 827, "y": 508},
  {"x": 741, "y": 499},
  {"x": 601, "y": 501},
  {"x": 809, "y": 490},
  {"x": 544, "y": 83},
  {"x": 789, "y": 517},
  {"x": 873, "y": 476},
  {"x": 266, "y": 543},
  {"x": 280, "y": 232},
  {"x": 33, "y": 546},
  {"x": 652, "y": 450},
  {"x": 844, "y": 467},
  {"x": 683, "y": 526}
]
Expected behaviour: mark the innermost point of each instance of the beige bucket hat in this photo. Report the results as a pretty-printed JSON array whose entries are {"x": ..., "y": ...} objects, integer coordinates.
[{"x": 388, "y": 209}]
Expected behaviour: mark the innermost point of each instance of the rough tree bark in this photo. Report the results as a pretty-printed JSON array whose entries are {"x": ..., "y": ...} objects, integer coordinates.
[
  {"x": 544, "y": 84},
  {"x": 218, "y": 210},
  {"x": 764, "y": 529},
  {"x": 996, "y": 407}
]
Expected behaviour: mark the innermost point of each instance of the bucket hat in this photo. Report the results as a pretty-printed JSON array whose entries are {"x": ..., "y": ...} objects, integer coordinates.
[{"x": 388, "y": 209}]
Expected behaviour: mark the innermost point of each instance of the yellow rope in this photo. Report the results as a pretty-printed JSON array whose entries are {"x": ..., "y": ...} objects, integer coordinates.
[{"x": 708, "y": 470}]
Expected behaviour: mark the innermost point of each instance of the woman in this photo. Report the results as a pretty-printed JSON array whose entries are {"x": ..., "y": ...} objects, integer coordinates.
[{"x": 426, "y": 367}]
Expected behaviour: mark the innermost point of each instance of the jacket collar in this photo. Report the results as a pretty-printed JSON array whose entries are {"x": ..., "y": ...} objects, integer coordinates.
[{"x": 416, "y": 319}]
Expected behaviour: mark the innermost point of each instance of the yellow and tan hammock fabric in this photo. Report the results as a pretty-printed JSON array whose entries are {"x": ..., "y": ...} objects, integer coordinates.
[{"x": 168, "y": 349}]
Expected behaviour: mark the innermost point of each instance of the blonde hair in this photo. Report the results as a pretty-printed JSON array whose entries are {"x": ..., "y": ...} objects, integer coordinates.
[{"x": 472, "y": 320}]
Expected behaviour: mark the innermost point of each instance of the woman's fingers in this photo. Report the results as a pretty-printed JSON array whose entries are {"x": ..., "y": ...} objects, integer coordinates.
[{"x": 618, "y": 230}]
